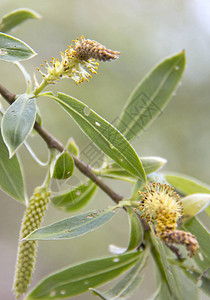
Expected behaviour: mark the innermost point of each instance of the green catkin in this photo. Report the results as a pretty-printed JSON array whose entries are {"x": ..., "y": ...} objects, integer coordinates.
[{"x": 27, "y": 249}]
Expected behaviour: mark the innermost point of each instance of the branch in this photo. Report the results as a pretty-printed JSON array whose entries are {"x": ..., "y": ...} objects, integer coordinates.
[{"x": 54, "y": 143}]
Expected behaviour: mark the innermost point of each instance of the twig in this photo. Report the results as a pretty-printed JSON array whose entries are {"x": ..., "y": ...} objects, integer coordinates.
[
  {"x": 175, "y": 250},
  {"x": 54, "y": 143}
]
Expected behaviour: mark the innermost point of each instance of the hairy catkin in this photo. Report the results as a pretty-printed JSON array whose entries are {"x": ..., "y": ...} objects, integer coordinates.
[
  {"x": 88, "y": 49},
  {"x": 27, "y": 249}
]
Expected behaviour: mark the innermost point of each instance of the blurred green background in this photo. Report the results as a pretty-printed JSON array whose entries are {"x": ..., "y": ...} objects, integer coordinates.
[{"x": 145, "y": 32}]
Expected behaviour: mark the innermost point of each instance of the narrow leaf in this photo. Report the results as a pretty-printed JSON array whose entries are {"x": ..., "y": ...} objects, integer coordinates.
[
  {"x": 150, "y": 165},
  {"x": 18, "y": 122},
  {"x": 207, "y": 210},
  {"x": 185, "y": 285},
  {"x": 64, "y": 166},
  {"x": 186, "y": 185},
  {"x": 165, "y": 268},
  {"x": 162, "y": 294},
  {"x": 136, "y": 233},
  {"x": 16, "y": 17},
  {"x": 151, "y": 96},
  {"x": 79, "y": 278},
  {"x": 194, "y": 204},
  {"x": 103, "y": 134},
  {"x": 202, "y": 282},
  {"x": 11, "y": 178},
  {"x": 127, "y": 285},
  {"x": 136, "y": 230},
  {"x": 138, "y": 186},
  {"x": 72, "y": 227},
  {"x": 13, "y": 49},
  {"x": 75, "y": 198}
]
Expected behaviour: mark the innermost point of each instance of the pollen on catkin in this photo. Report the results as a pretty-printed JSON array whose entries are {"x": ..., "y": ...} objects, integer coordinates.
[
  {"x": 160, "y": 205},
  {"x": 27, "y": 249},
  {"x": 78, "y": 61}
]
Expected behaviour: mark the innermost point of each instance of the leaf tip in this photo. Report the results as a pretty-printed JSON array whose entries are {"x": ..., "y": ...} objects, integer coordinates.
[{"x": 183, "y": 53}]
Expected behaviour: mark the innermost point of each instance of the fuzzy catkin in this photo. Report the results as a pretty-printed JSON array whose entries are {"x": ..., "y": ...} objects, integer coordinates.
[
  {"x": 161, "y": 206},
  {"x": 27, "y": 249},
  {"x": 91, "y": 49}
]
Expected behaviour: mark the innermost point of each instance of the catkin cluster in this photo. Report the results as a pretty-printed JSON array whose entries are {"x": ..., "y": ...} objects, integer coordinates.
[
  {"x": 27, "y": 249},
  {"x": 161, "y": 206},
  {"x": 78, "y": 61}
]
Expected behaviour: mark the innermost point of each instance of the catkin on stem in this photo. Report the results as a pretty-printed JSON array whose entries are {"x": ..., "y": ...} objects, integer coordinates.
[
  {"x": 160, "y": 205},
  {"x": 27, "y": 249}
]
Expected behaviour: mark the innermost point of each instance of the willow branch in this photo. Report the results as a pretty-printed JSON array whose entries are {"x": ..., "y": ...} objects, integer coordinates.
[{"x": 52, "y": 142}]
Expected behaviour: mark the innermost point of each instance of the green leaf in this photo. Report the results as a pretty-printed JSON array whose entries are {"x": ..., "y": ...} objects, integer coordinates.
[
  {"x": 76, "y": 198},
  {"x": 150, "y": 165},
  {"x": 18, "y": 122},
  {"x": 64, "y": 166},
  {"x": 72, "y": 147},
  {"x": 163, "y": 293},
  {"x": 164, "y": 267},
  {"x": 13, "y": 49},
  {"x": 11, "y": 178},
  {"x": 201, "y": 233},
  {"x": 16, "y": 17},
  {"x": 184, "y": 284},
  {"x": 207, "y": 210},
  {"x": 185, "y": 184},
  {"x": 72, "y": 227},
  {"x": 103, "y": 134},
  {"x": 126, "y": 287},
  {"x": 194, "y": 204},
  {"x": 202, "y": 282},
  {"x": 79, "y": 278},
  {"x": 138, "y": 186},
  {"x": 136, "y": 233},
  {"x": 151, "y": 96},
  {"x": 136, "y": 230}
]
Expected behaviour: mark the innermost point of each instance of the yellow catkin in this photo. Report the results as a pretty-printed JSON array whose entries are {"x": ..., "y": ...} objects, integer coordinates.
[
  {"x": 77, "y": 61},
  {"x": 27, "y": 249},
  {"x": 160, "y": 205}
]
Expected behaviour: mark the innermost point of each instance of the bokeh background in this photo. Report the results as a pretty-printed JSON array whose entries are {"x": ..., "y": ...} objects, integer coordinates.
[{"x": 145, "y": 32}]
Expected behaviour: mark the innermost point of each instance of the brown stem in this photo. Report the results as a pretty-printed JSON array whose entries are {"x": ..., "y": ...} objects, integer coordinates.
[
  {"x": 175, "y": 250},
  {"x": 10, "y": 97},
  {"x": 54, "y": 143}
]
